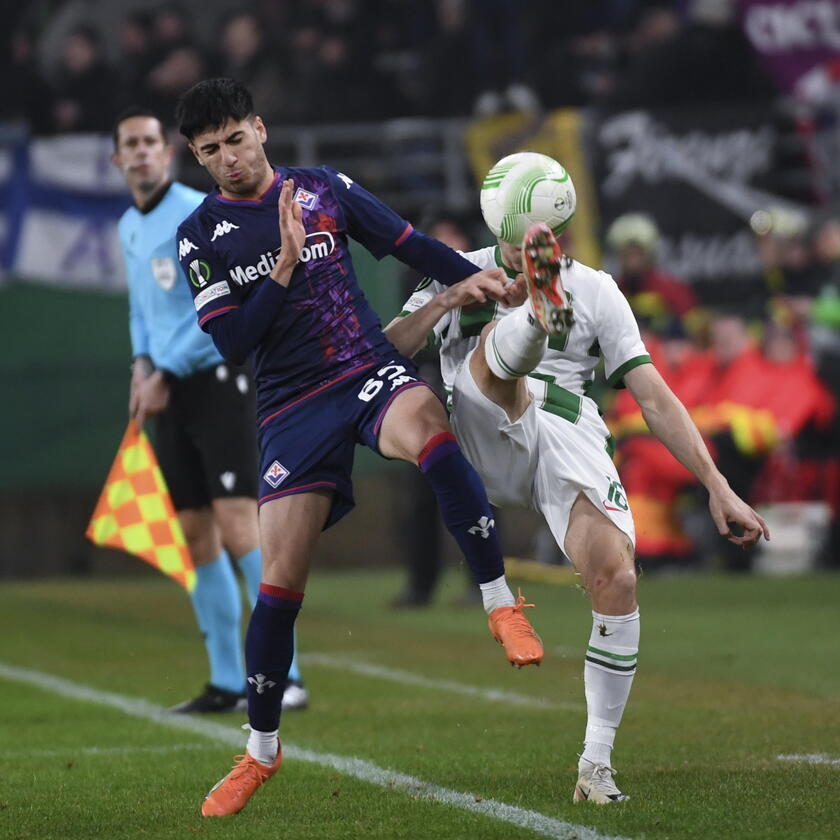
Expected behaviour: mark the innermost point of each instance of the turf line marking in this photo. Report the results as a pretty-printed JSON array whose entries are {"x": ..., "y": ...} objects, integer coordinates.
[
  {"x": 74, "y": 751},
  {"x": 367, "y": 669},
  {"x": 365, "y": 771},
  {"x": 811, "y": 758}
]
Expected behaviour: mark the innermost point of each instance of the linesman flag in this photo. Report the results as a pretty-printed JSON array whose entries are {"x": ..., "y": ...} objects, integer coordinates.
[{"x": 135, "y": 512}]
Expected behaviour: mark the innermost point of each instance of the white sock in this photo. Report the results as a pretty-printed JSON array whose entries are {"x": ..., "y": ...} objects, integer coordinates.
[
  {"x": 496, "y": 593},
  {"x": 607, "y": 677},
  {"x": 262, "y": 746},
  {"x": 516, "y": 345}
]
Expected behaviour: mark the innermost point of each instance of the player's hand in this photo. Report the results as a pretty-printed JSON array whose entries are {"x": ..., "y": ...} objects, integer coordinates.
[
  {"x": 516, "y": 292},
  {"x": 150, "y": 397},
  {"x": 727, "y": 509},
  {"x": 141, "y": 369},
  {"x": 475, "y": 289},
  {"x": 292, "y": 232}
]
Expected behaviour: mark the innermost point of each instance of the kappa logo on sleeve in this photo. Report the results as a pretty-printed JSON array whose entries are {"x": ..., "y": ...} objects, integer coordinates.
[
  {"x": 275, "y": 474},
  {"x": 348, "y": 182},
  {"x": 185, "y": 247},
  {"x": 222, "y": 228},
  {"x": 307, "y": 200},
  {"x": 217, "y": 290}
]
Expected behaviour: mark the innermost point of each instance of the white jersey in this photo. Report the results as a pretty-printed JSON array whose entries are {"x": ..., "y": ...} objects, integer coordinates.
[
  {"x": 603, "y": 325},
  {"x": 560, "y": 446}
]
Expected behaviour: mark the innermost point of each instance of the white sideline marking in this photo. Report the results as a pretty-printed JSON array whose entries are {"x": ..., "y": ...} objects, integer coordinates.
[
  {"x": 74, "y": 751},
  {"x": 365, "y": 771},
  {"x": 407, "y": 678},
  {"x": 811, "y": 758}
]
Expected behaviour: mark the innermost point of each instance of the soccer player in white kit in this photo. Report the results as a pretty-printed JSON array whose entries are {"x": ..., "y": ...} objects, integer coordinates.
[{"x": 518, "y": 380}]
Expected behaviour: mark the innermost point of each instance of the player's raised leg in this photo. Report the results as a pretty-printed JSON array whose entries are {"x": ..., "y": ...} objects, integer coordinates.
[
  {"x": 415, "y": 428},
  {"x": 603, "y": 554},
  {"x": 513, "y": 347},
  {"x": 289, "y": 528}
]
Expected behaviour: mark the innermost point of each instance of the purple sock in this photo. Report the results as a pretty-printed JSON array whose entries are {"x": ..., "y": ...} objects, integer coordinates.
[
  {"x": 463, "y": 504},
  {"x": 269, "y": 647}
]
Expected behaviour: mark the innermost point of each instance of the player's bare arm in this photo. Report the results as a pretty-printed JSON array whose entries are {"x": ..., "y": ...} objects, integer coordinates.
[
  {"x": 292, "y": 234},
  {"x": 408, "y": 333},
  {"x": 668, "y": 419}
]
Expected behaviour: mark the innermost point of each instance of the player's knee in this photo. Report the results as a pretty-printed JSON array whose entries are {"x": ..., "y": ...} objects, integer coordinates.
[
  {"x": 486, "y": 330},
  {"x": 615, "y": 579}
]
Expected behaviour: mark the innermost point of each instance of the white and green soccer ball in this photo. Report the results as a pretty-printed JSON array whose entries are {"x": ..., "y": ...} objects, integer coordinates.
[{"x": 525, "y": 188}]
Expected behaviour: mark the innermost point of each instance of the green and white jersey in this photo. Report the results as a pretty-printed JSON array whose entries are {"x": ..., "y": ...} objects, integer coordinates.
[{"x": 604, "y": 326}]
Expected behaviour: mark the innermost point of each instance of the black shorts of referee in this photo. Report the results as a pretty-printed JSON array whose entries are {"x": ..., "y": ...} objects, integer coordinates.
[{"x": 206, "y": 439}]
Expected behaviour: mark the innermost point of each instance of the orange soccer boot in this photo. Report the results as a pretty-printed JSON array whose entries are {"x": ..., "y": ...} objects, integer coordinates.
[
  {"x": 543, "y": 261},
  {"x": 513, "y": 631},
  {"x": 231, "y": 794}
]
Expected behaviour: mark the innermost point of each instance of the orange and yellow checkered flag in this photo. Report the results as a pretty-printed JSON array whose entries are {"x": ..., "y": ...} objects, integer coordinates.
[{"x": 135, "y": 511}]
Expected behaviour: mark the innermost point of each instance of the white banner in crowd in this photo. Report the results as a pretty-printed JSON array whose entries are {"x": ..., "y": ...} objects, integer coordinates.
[
  {"x": 60, "y": 200},
  {"x": 63, "y": 249}
]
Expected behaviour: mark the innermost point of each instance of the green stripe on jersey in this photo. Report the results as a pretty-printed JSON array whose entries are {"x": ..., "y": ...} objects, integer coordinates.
[
  {"x": 560, "y": 401},
  {"x": 473, "y": 318}
]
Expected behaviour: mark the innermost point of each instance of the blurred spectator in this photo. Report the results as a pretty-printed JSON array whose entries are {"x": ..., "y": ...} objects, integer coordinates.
[
  {"x": 708, "y": 60},
  {"x": 171, "y": 30},
  {"x": 329, "y": 65},
  {"x": 85, "y": 91},
  {"x": 825, "y": 344},
  {"x": 653, "y": 293},
  {"x": 136, "y": 58},
  {"x": 500, "y": 57},
  {"x": 27, "y": 100},
  {"x": 749, "y": 402},
  {"x": 586, "y": 52},
  {"x": 183, "y": 67},
  {"x": 247, "y": 55},
  {"x": 451, "y": 84}
]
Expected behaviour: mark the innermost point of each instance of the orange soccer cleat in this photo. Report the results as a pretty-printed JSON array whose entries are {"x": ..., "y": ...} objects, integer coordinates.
[
  {"x": 511, "y": 629},
  {"x": 543, "y": 263},
  {"x": 231, "y": 794}
]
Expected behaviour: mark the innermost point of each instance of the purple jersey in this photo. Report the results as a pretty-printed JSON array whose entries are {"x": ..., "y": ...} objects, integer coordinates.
[{"x": 326, "y": 326}]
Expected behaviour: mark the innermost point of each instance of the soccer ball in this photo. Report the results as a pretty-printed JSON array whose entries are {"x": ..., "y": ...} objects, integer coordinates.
[{"x": 525, "y": 188}]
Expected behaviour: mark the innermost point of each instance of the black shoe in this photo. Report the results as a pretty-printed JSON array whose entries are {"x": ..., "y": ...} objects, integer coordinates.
[{"x": 212, "y": 700}]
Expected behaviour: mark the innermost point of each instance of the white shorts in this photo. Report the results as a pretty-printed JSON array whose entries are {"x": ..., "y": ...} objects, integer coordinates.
[{"x": 546, "y": 458}]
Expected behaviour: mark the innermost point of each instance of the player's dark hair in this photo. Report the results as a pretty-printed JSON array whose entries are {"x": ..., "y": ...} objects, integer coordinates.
[
  {"x": 136, "y": 111},
  {"x": 210, "y": 104}
]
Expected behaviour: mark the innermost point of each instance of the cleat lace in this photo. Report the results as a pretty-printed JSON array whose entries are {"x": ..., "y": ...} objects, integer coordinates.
[
  {"x": 517, "y": 622},
  {"x": 520, "y": 601},
  {"x": 602, "y": 775},
  {"x": 244, "y": 770}
]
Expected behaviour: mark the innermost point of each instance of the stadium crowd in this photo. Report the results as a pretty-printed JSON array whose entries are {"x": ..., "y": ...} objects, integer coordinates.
[
  {"x": 374, "y": 60},
  {"x": 763, "y": 386}
]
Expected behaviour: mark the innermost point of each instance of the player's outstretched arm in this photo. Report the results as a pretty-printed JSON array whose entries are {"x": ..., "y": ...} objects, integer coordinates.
[
  {"x": 668, "y": 419},
  {"x": 408, "y": 333}
]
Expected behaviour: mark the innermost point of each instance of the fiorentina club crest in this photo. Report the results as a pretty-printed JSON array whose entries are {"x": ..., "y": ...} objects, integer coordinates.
[
  {"x": 275, "y": 474},
  {"x": 306, "y": 199}
]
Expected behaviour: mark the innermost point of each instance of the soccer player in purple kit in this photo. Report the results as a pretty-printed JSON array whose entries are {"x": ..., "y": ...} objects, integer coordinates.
[{"x": 327, "y": 379}]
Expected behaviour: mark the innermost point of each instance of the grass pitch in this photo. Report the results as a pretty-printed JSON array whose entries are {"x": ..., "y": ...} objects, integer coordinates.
[{"x": 733, "y": 672}]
